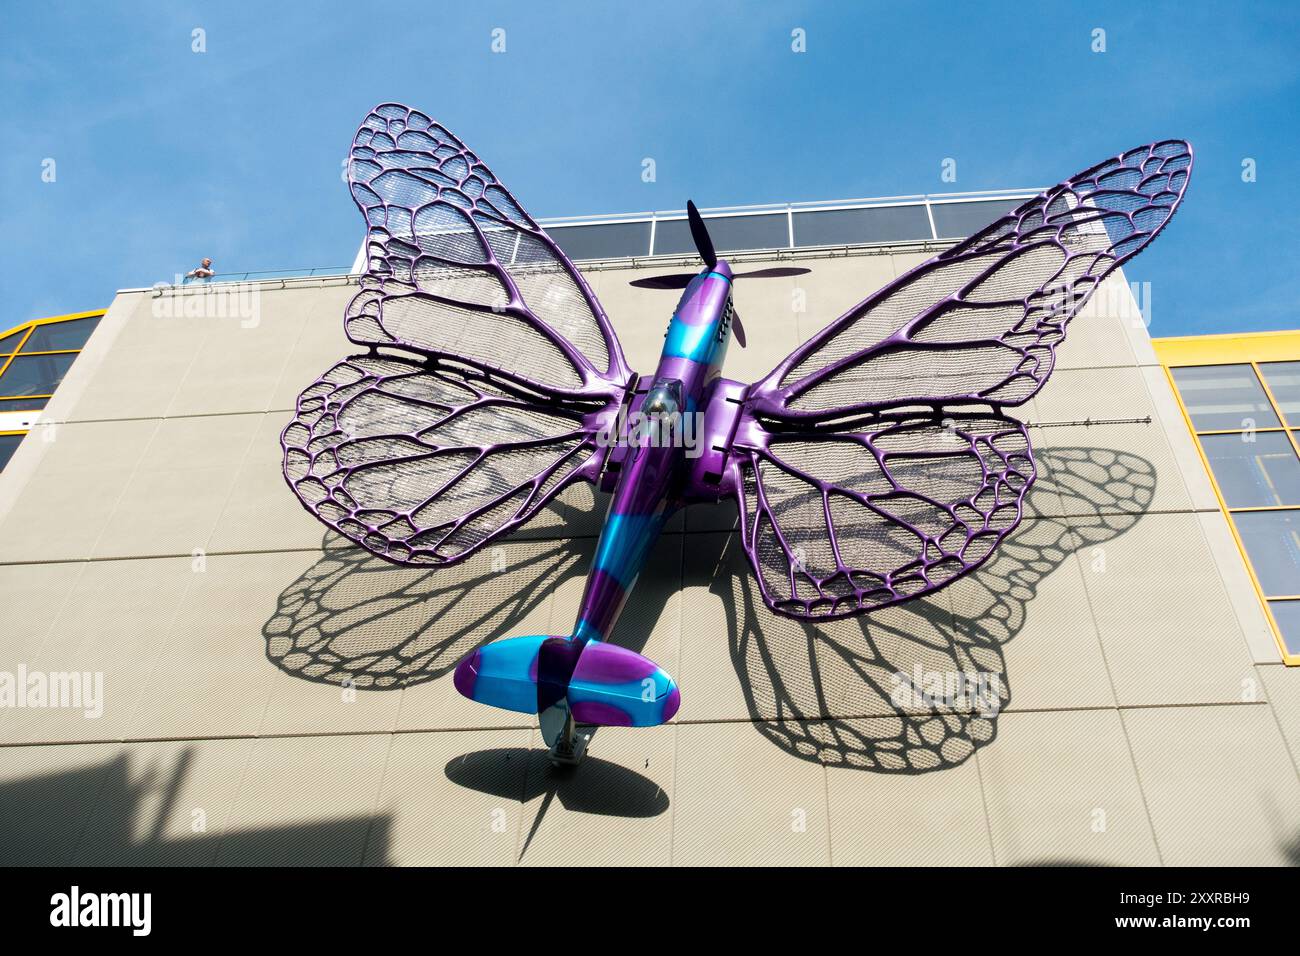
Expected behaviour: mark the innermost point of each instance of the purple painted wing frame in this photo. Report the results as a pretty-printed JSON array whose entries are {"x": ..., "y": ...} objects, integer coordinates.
[
  {"x": 835, "y": 518},
  {"x": 506, "y": 368},
  {"x": 980, "y": 323},
  {"x": 426, "y": 464},
  {"x": 845, "y": 522},
  {"x": 457, "y": 269}
]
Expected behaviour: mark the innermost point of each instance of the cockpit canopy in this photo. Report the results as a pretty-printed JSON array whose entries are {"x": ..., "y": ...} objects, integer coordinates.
[{"x": 663, "y": 399}]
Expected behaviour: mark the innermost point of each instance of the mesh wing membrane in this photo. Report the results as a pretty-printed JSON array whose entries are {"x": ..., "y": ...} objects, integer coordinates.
[
  {"x": 423, "y": 461},
  {"x": 846, "y": 522},
  {"x": 456, "y": 268},
  {"x": 980, "y": 322},
  {"x": 425, "y": 464}
]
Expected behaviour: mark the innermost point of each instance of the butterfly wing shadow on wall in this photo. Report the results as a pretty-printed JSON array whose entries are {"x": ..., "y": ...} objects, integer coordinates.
[
  {"x": 918, "y": 687},
  {"x": 355, "y": 619},
  {"x": 879, "y": 693}
]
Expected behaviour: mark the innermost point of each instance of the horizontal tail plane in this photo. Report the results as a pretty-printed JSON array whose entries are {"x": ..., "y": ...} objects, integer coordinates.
[{"x": 584, "y": 681}]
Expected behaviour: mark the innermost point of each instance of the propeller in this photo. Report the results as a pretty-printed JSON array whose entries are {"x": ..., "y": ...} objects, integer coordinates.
[
  {"x": 679, "y": 280},
  {"x": 703, "y": 244}
]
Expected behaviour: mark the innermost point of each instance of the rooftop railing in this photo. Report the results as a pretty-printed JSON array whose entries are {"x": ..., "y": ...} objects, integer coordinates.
[
  {"x": 929, "y": 217},
  {"x": 270, "y": 274},
  {"x": 891, "y": 219}
]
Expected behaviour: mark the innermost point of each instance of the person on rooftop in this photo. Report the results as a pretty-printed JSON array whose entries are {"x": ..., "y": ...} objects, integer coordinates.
[{"x": 204, "y": 271}]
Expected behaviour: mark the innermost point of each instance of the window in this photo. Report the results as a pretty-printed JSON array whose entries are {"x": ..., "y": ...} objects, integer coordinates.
[
  {"x": 956, "y": 220},
  {"x": 729, "y": 234},
  {"x": 611, "y": 240},
  {"x": 1254, "y": 469},
  {"x": 61, "y": 336},
  {"x": 1224, "y": 398},
  {"x": 1245, "y": 415},
  {"x": 1287, "y": 616},
  {"x": 1283, "y": 380},
  {"x": 743, "y": 228},
  {"x": 22, "y": 404},
  {"x": 8, "y": 445},
  {"x": 35, "y": 374},
  {"x": 1272, "y": 540},
  {"x": 836, "y": 227},
  {"x": 34, "y": 357}
]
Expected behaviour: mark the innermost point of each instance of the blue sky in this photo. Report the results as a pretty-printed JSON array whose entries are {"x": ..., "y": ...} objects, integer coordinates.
[{"x": 164, "y": 155}]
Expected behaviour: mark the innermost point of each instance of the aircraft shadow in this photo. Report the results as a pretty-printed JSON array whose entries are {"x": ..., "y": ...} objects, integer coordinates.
[
  {"x": 826, "y": 692},
  {"x": 594, "y": 786}
]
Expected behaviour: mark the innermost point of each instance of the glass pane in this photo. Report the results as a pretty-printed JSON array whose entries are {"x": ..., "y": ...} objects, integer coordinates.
[
  {"x": 10, "y": 342},
  {"x": 673, "y": 236},
  {"x": 612, "y": 240},
  {"x": 1283, "y": 380},
  {"x": 841, "y": 227},
  {"x": 61, "y": 335},
  {"x": 957, "y": 220},
  {"x": 22, "y": 404},
  {"x": 1222, "y": 397},
  {"x": 1272, "y": 540},
  {"x": 1287, "y": 615},
  {"x": 35, "y": 374},
  {"x": 1254, "y": 474},
  {"x": 733, "y": 233},
  {"x": 8, "y": 443}
]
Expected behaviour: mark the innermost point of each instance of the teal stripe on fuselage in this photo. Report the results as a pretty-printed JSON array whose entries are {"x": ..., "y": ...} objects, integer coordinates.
[
  {"x": 694, "y": 342},
  {"x": 698, "y": 340},
  {"x": 624, "y": 542}
]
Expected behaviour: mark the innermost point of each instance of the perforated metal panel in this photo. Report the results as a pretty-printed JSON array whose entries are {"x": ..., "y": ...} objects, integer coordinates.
[
  {"x": 424, "y": 466},
  {"x": 506, "y": 366}
]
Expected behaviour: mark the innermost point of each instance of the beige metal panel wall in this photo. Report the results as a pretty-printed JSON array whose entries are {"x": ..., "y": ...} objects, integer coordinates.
[{"x": 272, "y": 695}]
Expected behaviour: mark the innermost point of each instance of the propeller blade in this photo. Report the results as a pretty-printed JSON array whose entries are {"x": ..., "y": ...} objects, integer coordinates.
[
  {"x": 737, "y": 329},
  {"x": 678, "y": 280},
  {"x": 703, "y": 244},
  {"x": 776, "y": 272}
]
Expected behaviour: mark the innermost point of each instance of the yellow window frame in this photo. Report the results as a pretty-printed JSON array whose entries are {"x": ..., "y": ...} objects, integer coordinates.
[
  {"x": 1253, "y": 349},
  {"x": 27, "y": 328}
]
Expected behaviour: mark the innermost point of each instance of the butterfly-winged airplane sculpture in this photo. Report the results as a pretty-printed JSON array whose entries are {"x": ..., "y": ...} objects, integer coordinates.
[{"x": 874, "y": 465}]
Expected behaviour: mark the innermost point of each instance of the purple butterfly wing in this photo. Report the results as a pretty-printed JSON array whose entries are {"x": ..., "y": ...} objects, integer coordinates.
[
  {"x": 864, "y": 470},
  {"x": 499, "y": 369},
  {"x": 457, "y": 269},
  {"x": 841, "y": 523},
  {"x": 425, "y": 465},
  {"x": 980, "y": 323}
]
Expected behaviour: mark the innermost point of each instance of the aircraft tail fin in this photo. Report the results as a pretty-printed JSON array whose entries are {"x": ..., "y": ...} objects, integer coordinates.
[{"x": 598, "y": 683}]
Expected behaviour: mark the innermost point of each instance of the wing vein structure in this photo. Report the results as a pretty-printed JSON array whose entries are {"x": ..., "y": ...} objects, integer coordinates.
[{"x": 874, "y": 465}]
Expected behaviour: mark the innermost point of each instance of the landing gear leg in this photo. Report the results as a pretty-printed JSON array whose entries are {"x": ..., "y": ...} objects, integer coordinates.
[{"x": 568, "y": 745}]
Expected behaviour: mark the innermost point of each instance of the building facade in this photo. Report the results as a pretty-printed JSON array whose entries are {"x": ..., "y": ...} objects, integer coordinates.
[{"x": 271, "y": 694}]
